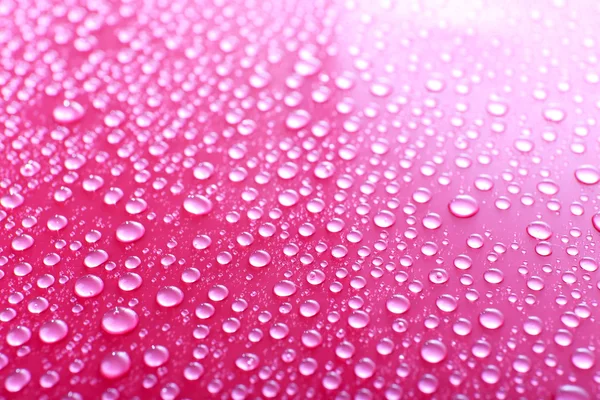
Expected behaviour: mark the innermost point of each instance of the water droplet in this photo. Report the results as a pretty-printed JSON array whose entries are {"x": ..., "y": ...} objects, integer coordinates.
[
  {"x": 89, "y": 286},
  {"x": 297, "y": 119},
  {"x": 53, "y": 331},
  {"x": 583, "y": 358},
  {"x": 463, "y": 206},
  {"x": 68, "y": 112},
  {"x": 398, "y": 304},
  {"x": 197, "y": 205},
  {"x": 260, "y": 258},
  {"x": 587, "y": 174},
  {"x": 115, "y": 365},
  {"x": 247, "y": 362},
  {"x": 130, "y": 231},
  {"x": 385, "y": 219},
  {"x": 17, "y": 380},
  {"x": 119, "y": 321},
  {"x": 169, "y": 296},
  {"x": 491, "y": 318},
  {"x": 284, "y": 288},
  {"x": 156, "y": 356},
  {"x": 433, "y": 351},
  {"x": 539, "y": 230}
]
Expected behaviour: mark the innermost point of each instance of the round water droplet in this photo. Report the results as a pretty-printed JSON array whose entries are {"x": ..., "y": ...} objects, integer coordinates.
[
  {"x": 554, "y": 114},
  {"x": 288, "y": 198},
  {"x": 324, "y": 170},
  {"x": 365, "y": 368},
  {"x": 57, "y": 222},
  {"x": 596, "y": 221},
  {"x": 384, "y": 219},
  {"x": 571, "y": 392},
  {"x": 497, "y": 109},
  {"x": 284, "y": 288},
  {"x": 22, "y": 242},
  {"x": 130, "y": 231},
  {"x": 398, "y": 304},
  {"x": 156, "y": 356},
  {"x": 115, "y": 365},
  {"x": 297, "y": 119},
  {"x": 203, "y": 171},
  {"x": 68, "y": 112},
  {"x": 218, "y": 293},
  {"x": 89, "y": 286},
  {"x": 433, "y": 351},
  {"x": 193, "y": 371},
  {"x": 358, "y": 319},
  {"x": 17, "y": 380},
  {"x": 169, "y": 296},
  {"x": 539, "y": 230},
  {"x": 197, "y": 205},
  {"x": 583, "y": 358},
  {"x": 205, "y": 310},
  {"x": 247, "y": 362},
  {"x": 130, "y": 281},
  {"x": 463, "y": 206},
  {"x": 12, "y": 200},
  {"x": 18, "y": 336},
  {"x": 119, "y": 321},
  {"x": 95, "y": 258},
  {"x": 491, "y": 318},
  {"x": 309, "y": 308},
  {"x": 587, "y": 174},
  {"x": 260, "y": 258},
  {"x": 53, "y": 331}
]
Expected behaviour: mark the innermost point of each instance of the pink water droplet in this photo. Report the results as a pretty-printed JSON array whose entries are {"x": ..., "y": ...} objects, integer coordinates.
[
  {"x": 398, "y": 304},
  {"x": 115, "y": 365},
  {"x": 284, "y": 288},
  {"x": 156, "y": 356},
  {"x": 587, "y": 174},
  {"x": 89, "y": 286},
  {"x": 596, "y": 221},
  {"x": 95, "y": 258},
  {"x": 119, "y": 320},
  {"x": 491, "y": 318},
  {"x": 169, "y": 296},
  {"x": 17, "y": 380},
  {"x": 68, "y": 112},
  {"x": 130, "y": 231},
  {"x": 539, "y": 230},
  {"x": 384, "y": 219},
  {"x": 433, "y": 351},
  {"x": 260, "y": 258},
  {"x": 297, "y": 119},
  {"x": 197, "y": 205},
  {"x": 247, "y": 362},
  {"x": 53, "y": 331},
  {"x": 463, "y": 206}
]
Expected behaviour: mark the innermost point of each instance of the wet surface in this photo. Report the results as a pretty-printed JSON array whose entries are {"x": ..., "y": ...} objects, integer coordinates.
[{"x": 299, "y": 199}]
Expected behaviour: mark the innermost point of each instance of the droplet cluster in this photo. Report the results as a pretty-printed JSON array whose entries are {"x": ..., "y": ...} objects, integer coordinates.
[{"x": 306, "y": 199}]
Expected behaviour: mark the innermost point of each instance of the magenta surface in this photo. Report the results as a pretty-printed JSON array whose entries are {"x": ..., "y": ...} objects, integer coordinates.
[{"x": 299, "y": 199}]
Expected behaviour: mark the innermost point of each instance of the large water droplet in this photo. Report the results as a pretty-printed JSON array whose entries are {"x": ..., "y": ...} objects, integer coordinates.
[
  {"x": 587, "y": 174},
  {"x": 115, "y": 365},
  {"x": 491, "y": 318},
  {"x": 463, "y": 206},
  {"x": 53, "y": 331},
  {"x": 68, "y": 112},
  {"x": 119, "y": 320},
  {"x": 169, "y": 296},
  {"x": 433, "y": 351},
  {"x": 197, "y": 205},
  {"x": 130, "y": 231}
]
